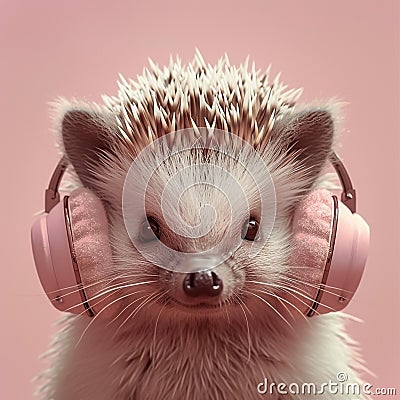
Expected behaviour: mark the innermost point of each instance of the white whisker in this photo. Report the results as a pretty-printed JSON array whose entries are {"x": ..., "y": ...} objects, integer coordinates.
[
  {"x": 248, "y": 334},
  {"x": 111, "y": 290},
  {"x": 155, "y": 330},
  {"x": 99, "y": 313},
  {"x": 149, "y": 298},
  {"x": 282, "y": 299},
  {"x": 272, "y": 307}
]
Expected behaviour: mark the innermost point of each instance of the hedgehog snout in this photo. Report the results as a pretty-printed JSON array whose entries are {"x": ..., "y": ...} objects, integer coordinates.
[
  {"x": 212, "y": 286},
  {"x": 202, "y": 284}
]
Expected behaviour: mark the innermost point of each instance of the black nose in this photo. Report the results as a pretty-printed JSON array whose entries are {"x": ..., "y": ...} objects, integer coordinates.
[{"x": 204, "y": 284}]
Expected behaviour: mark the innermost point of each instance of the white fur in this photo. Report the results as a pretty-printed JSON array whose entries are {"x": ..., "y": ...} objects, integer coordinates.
[{"x": 200, "y": 363}]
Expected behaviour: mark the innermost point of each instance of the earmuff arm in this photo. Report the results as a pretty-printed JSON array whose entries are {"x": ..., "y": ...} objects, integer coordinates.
[
  {"x": 52, "y": 196},
  {"x": 348, "y": 196}
]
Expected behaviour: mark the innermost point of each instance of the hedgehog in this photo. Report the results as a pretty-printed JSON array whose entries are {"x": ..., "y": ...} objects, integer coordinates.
[{"x": 163, "y": 334}]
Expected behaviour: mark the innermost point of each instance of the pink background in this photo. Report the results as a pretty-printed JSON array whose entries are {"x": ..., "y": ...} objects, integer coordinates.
[{"x": 348, "y": 49}]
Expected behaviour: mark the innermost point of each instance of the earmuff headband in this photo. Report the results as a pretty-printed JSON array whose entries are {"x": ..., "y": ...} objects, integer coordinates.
[
  {"x": 52, "y": 196},
  {"x": 348, "y": 196}
]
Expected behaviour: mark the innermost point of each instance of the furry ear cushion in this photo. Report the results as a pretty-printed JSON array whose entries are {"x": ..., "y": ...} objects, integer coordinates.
[
  {"x": 311, "y": 230},
  {"x": 91, "y": 245}
]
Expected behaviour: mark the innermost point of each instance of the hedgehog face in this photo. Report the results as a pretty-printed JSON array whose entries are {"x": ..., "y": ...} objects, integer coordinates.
[
  {"x": 201, "y": 216},
  {"x": 102, "y": 142}
]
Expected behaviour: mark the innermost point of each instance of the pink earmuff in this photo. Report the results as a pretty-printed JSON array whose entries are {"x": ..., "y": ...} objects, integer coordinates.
[
  {"x": 330, "y": 247},
  {"x": 71, "y": 238}
]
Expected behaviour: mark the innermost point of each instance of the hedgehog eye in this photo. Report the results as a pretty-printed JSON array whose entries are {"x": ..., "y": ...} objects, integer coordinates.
[
  {"x": 149, "y": 230},
  {"x": 250, "y": 230}
]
